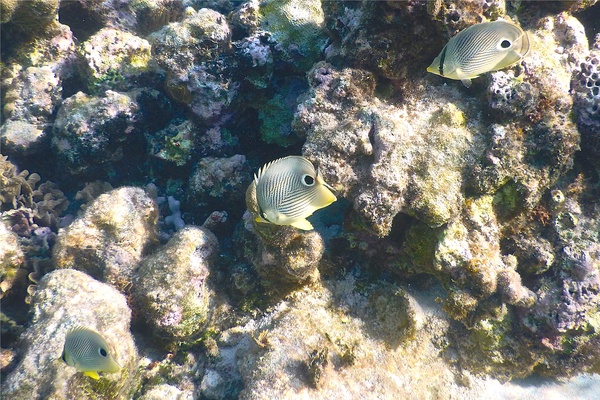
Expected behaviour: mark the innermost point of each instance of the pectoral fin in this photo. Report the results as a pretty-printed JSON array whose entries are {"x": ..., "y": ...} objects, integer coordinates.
[
  {"x": 302, "y": 224},
  {"x": 92, "y": 374}
]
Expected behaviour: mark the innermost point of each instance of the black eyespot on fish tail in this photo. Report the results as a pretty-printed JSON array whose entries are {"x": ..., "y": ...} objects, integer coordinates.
[
  {"x": 103, "y": 352},
  {"x": 505, "y": 44},
  {"x": 442, "y": 59}
]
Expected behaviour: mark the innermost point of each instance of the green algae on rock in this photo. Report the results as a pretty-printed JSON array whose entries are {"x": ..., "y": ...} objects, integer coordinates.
[{"x": 113, "y": 59}]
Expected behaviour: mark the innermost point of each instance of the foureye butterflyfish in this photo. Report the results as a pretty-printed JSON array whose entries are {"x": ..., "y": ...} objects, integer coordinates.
[
  {"x": 290, "y": 189},
  {"x": 484, "y": 47},
  {"x": 88, "y": 352}
]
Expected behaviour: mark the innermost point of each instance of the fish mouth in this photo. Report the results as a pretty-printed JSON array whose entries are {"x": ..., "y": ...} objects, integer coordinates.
[{"x": 328, "y": 186}]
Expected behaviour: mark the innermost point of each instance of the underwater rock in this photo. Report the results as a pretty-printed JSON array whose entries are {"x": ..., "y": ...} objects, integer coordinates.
[
  {"x": 171, "y": 289},
  {"x": 55, "y": 49},
  {"x": 469, "y": 248},
  {"x": 32, "y": 15},
  {"x": 379, "y": 36},
  {"x": 255, "y": 58},
  {"x": 279, "y": 254},
  {"x": 569, "y": 297},
  {"x": 137, "y": 16},
  {"x": 535, "y": 139},
  {"x": 164, "y": 391},
  {"x": 510, "y": 96},
  {"x": 28, "y": 106},
  {"x": 108, "y": 241},
  {"x": 11, "y": 258},
  {"x": 193, "y": 53},
  {"x": 329, "y": 341},
  {"x": 65, "y": 299},
  {"x": 219, "y": 183},
  {"x": 113, "y": 60},
  {"x": 388, "y": 159},
  {"x": 91, "y": 133}
]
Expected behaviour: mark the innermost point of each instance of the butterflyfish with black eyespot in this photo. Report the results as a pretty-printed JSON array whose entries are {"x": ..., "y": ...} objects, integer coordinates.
[
  {"x": 87, "y": 351},
  {"x": 290, "y": 189},
  {"x": 481, "y": 48}
]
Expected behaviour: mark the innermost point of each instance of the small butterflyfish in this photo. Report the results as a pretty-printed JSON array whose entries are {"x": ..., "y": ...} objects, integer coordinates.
[
  {"x": 290, "y": 189},
  {"x": 87, "y": 351},
  {"x": 481, "y": 48}
]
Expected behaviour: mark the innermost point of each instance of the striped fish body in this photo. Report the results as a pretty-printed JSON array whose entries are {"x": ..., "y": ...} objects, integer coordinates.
[
  {"x": 88, "y": 352},
  {"x": 484, "y": 47},
  {"x": 290, "y": 189}
]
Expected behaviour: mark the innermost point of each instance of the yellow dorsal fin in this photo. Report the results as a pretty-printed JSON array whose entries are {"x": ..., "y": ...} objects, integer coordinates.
[
  {"x": 302, "y": 224},
  {"x": 92, "y": 374}
]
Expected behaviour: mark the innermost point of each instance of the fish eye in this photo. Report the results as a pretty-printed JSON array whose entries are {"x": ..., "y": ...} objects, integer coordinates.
[
  {"x": 103, "y": 352},
  {"x": 308, "y": 180},
  {"x": 505, "y": 44}
]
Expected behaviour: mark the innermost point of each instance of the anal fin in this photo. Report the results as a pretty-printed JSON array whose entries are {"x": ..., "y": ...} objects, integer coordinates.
[
  {"x": 302, "y": 224},
  {"x": 92, "y": 374}
]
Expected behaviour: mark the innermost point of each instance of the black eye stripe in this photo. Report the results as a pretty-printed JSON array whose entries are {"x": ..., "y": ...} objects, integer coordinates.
[{"x": 442, "y": 59}]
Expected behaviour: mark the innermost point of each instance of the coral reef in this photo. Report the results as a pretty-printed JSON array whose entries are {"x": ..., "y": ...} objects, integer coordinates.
[
  {"x": 280, "y": 254},
  {"x": 219, "y": 183},
  {"x": 586, "y": 98},
  {"x": 67, "y": 298},
  {"x": 190, "y": 51},
  {"x": 110, "y": 238},
  {"x": 463, "y": 251},
  {"x": 92, "y": 133},
  {"x": 11, "y": 258},
  {"x": 113, "y": 60},
  {"x": 171, "y": 287},
  {"x": 388, "y": 160}
]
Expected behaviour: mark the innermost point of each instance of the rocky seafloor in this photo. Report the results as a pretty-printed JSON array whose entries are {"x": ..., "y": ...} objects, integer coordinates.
[{"x": 461, "y": 260}]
